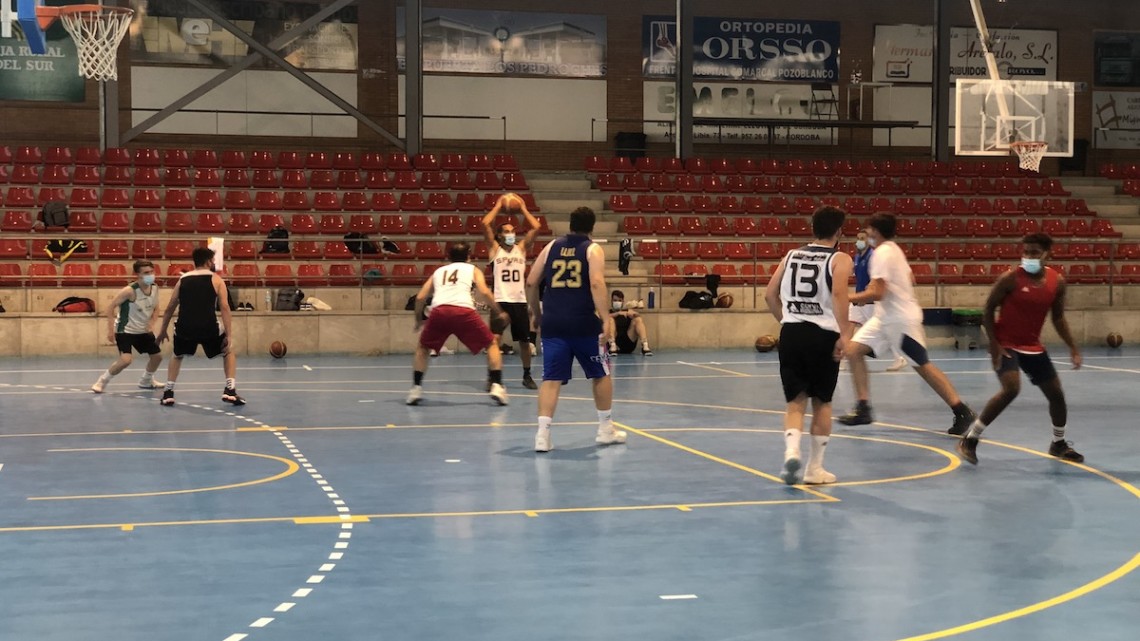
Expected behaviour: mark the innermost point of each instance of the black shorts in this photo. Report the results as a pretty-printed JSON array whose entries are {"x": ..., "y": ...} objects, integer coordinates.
[
  {"x": 519, "y": 321},
  {"x": 807, "y": 365},
  {"x": 142, "y": 343},
  {"x": 1039, "y": 367},
  {"x": 625, "y": 344},
  {"x": 186, "y": 342}
]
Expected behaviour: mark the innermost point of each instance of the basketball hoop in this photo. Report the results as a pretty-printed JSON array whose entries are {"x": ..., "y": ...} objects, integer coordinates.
[
  {"x": 97, "y": 31},
  {"x": 1029, "y": 153}
]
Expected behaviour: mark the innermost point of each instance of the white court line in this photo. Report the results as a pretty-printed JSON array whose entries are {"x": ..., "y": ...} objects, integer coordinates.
[
  {"x": 676, "y": 597},
  {"x": 284, "y": 607},
  {"x": 307, "y": 368},
  {"x": 262, "y": 622},
  {"x": 235, "y": 637},
  {"x": 1112, "y": 369},
  {"x": 302, "y": 593}
]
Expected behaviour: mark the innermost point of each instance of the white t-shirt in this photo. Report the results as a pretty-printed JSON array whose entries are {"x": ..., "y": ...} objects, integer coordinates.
[
  {"x": 509, "y": 270},
  {"x": 899, "y": 304},
  {"x": 453, "y": 285}
]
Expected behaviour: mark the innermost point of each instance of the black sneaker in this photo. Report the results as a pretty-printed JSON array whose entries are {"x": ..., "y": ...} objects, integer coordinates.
[
  {"x": 857, "y": 416},
  {"x": 528, "y": 382},
  {"x": 645, "y": 351},
  {"x": 968, "y": 450},
  {"x": 962, "y": 422},
  {"x": 1064, "y": 451},
  {"x": 167, "y": 397},
  {"x": 230, "y": 395},
  {"x": 506, "y": 349}
]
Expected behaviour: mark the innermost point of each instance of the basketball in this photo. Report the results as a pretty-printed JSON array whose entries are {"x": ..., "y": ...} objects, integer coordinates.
[
  {"x": 512, "y": 203},
  {"x": 765, "y": 343},
  {"x": 1114, "y": 340},
  {"x": 278, "y": 349},
  {"x": 724, "y": 301}
]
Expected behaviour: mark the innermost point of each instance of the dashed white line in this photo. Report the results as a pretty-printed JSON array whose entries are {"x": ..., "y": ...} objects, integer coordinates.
[
  {"x": 336, "y": 556},
  {"x": 316, "y": 578},
  {"x": 451, "y": 460},
  {"x": 676, "y": 597},
  {"x": 262, "y": 622},
  {"x": 284, "y": 607},
  {"x": 235, "y": 637},
  {"x": 346, "y": 535},
  {"x": 307, "y": 368},
  {"x": 327, "y": 567},
  {"x": 302, "y": 593},
  {"x": 340, "y": 545}
]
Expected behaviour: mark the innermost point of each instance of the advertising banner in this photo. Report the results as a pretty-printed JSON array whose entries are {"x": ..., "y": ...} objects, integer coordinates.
[
  {"x": 737, "y": 49},
  {"x": 1116, "y": 59},
  {"x": 509, "y": 43},
  {"x": 905, "y": 53},
  {"x": 53, "y": 76},
  {"x": 1114, "y": 113}
]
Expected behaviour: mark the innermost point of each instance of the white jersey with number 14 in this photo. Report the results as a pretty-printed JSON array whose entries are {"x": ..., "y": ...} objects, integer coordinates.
[{"x": 453, "y": 285}]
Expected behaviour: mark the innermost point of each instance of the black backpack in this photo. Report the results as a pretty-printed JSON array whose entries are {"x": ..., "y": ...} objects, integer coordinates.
[
  {"x": 277, "y": 242},
  {"x": 697, "y": 300},
  {"x": 55, "y": 214},
  {"x": 288, "y": 300},
  {"x": 625, "y": 254},
  {"x": 359, "y": 244}
]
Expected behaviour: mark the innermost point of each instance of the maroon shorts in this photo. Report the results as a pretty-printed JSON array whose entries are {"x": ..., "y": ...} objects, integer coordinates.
[{"x": 465, "y": 324}]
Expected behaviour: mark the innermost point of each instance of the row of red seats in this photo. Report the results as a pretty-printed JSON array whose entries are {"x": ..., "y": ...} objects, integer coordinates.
[
  {"x": 256, "y": 159},
  {"x": 261, "y": 178},
  {"x": 856, "y": 205},
  {"x": 924, "y": 273},
  {"x": 862, "y": 185},
  {"x": 1132, "y": 187},
  {"x": 945, "y": 227},
  {"x": 919, "y": 251},
  {"x": 245, "y": 223},
  {"x": 797, "y": 167},
  {"x": 240, "y": 199},
  {"x": 1119, "y": 171}
]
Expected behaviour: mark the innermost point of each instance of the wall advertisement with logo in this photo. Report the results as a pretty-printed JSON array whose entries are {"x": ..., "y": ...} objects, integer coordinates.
[
  {"x": 905, "y": 54},
  {"x": 1116, "y": 119}
]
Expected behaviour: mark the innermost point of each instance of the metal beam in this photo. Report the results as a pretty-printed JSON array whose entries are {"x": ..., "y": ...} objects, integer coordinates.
[
  {"x": 940, "y": 105},
  {"x": 413, "y": 77},
  {"x": 683, "y": 143},
  {"x": 109, "y": 128}
]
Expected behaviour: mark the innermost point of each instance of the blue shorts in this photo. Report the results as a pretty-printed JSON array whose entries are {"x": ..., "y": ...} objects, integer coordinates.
[{"x": 558, "y": 356}]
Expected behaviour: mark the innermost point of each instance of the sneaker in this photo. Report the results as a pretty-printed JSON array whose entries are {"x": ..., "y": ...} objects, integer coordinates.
[
  {"x": 150, "y": 383},
  {"x": 818, "y": 476},
  {"x": 415, "y": 395},
  {"x": 433, "y": 353},
  {"x": 968, "y": 450},
  {"x": 230, "y": 395},
  {"x": 899, "y": 363},
  {"x": 542, "y": 440},
  {"x": 646, "y": 351},
  {"x": 1064, "y": 451},
  {"x": 99, "y": 385},
  {"x": 962, "y": 423},
  {"x": 445, "y": 351},
  {"x": 528, "y": 382},
  {"x": 612, "y": 348},
  {"x": 499, "y": 393},
  {"x": 507, "y": 349},
  {"x": 533, "y": 349},
  {"x": 610, "y": 437},
  {"x": 167, "y": 397},
  {"x": 858, "y": 416},
  {"x": 791, "y": 468}
]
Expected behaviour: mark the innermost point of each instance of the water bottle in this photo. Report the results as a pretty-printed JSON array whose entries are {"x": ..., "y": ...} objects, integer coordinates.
[
  {"x": 268, "y": 301},
  {"x": 652, "y": 298}
]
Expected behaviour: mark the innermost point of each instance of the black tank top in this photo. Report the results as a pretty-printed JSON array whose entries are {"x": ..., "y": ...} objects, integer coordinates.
[{"x": 197, "y": 301}]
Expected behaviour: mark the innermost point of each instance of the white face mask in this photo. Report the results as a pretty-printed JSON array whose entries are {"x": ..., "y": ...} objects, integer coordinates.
[
  {"x": 872, "y": 242},
  {"x": 148, "y": 279},
  {"x": 616, "y": 305},
  {"x": 508, "y": 239},
  {"x": 860, "y": 245},
  {"x": 1031, "y": 265}
]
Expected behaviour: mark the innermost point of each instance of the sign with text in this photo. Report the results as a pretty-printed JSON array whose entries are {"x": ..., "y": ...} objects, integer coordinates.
[
  {"x": 754, "y": 49},
  {"x": 739, "y": 101},
  {"x": 1112, "y": 112},
  {"x": 905, "y": 53},
  {"x": 53, "y": 76},
  {"x": 509, "y": 43},
  {"x": 1116, "y": 59}
]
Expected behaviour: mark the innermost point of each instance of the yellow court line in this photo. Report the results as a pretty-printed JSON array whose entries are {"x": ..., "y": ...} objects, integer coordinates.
[
  {"x": 290, "y": 468},
  {"x": 716, "y": 369},
  {"x": 717, "y": 459}
]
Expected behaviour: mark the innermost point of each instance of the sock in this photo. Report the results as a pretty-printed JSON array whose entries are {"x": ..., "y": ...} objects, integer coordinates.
[
  {"x": 792, "y": 438},
  {"x": 976, "y": 429},
  {"x": 231, "y": 383},
  {"x": 107, "y": 375},
  {"x": 544, "y": 422},
  {"x": 605, "y": 420},
  {"x": 418, "y": 378},
  {"x": 815, "y": 456},
  {"x": 170, "y": 385},
  {"x": 645, "y": 345},
  {"x": 960, "y": 409},
  {"x": 1058, "y": 433},
  {"x": 496, "y": 376},
  {"x": 863, "y": 405},
  {"x": 526, "y": 371},
  {"x": 147, "y": 376}
]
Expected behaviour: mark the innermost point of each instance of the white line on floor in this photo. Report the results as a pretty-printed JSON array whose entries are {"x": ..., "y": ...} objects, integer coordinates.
[{"x": 676, "y": 597}]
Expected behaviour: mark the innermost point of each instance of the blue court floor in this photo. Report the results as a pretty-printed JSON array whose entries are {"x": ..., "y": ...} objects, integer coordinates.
[{"x": 325, "y": 509}]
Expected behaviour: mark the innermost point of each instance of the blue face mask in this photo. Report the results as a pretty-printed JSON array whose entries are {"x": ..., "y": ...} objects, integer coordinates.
[
  {"x": 508, "y": 239},
  {"x": 148, "y": 279},
  {"x": 1031, "y": 265},
  {"x": 860, "y": 245}
]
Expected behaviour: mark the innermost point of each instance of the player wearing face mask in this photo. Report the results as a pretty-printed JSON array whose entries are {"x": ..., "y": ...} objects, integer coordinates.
[
  {"x": 629, "y": 328},
  {"x": 858, "y": 315},
  {"x": 508, "y": 264},
  {"x": 130, "y": 319}
]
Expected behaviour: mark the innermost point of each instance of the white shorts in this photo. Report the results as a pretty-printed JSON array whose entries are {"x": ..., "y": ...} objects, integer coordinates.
[
  {"x": 860, "y": 314},
  {"x": 907, "y": 338}
]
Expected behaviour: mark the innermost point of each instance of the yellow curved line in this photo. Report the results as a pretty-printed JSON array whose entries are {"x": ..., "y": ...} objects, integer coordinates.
[{"x": 290, "y": 468}]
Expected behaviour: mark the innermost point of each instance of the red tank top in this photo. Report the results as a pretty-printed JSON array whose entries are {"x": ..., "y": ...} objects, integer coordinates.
[{"x": 1023, "y": 311}]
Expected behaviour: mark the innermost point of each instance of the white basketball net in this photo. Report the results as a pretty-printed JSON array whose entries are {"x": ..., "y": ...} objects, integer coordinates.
[
  {"x": 97, "y": 35},
  {"x": 1029, "y": 154}
]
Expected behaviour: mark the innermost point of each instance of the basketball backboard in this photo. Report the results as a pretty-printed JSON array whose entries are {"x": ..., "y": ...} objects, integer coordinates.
[
  {"x": 990, "y": 114},
  {"x": 23, "y": 12}
]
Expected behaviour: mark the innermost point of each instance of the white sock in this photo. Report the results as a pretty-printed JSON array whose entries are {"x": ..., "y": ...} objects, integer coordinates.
[
  {"x": 976, "y": 429},
  {"x": 147, "y": 376},
  {"x": 792, "y": 438},
  {"x": 1058, "y": 433},
  {"x": 645, "y": 345},
  {"x": 170, "y": 385},
  {"x": 231, "y": 383},
  {"x": 107, "y": 375},
  {"x": 605, "y": 422},
  {"x": 815, "y": 457},
  {"x": 544, "y": 422}
]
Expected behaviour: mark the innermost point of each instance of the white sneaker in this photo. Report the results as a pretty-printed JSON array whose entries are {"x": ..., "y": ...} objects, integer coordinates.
[
  {"x": 445, "y": 351},
  {"x": 415, "y": 395},
  {"x": 542, "y": 440},
  {"x": 791, "y": 469},
  {"x": 610, "y": 436},
  {"x": 99, "y": 385},
  {"x": 818, "y": 476},
  {"x": 499, "y": 393},
  {"x": 433, "y": 353},
  {"x": 150, "y": 383},
  {"x": 899, "y": 363},
  {"x": 533, "y": 349},
  {"x": 612, "y": 347}
]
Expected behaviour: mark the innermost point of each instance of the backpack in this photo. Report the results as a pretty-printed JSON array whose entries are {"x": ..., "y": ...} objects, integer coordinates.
[
  {"x": 697, "y": 300},
  {"x": 276, "y": 242},
  {"x": 75, "y": 305},
  {"x": 55, "y": 214},
  {"x": 288, "y": 300},
  {"x": 359, "y": 244},
  {"x": 625, "y": 254}
]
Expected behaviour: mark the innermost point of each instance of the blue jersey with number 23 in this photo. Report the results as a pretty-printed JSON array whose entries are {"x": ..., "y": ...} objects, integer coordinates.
[{"x": 567, "y": 304}]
